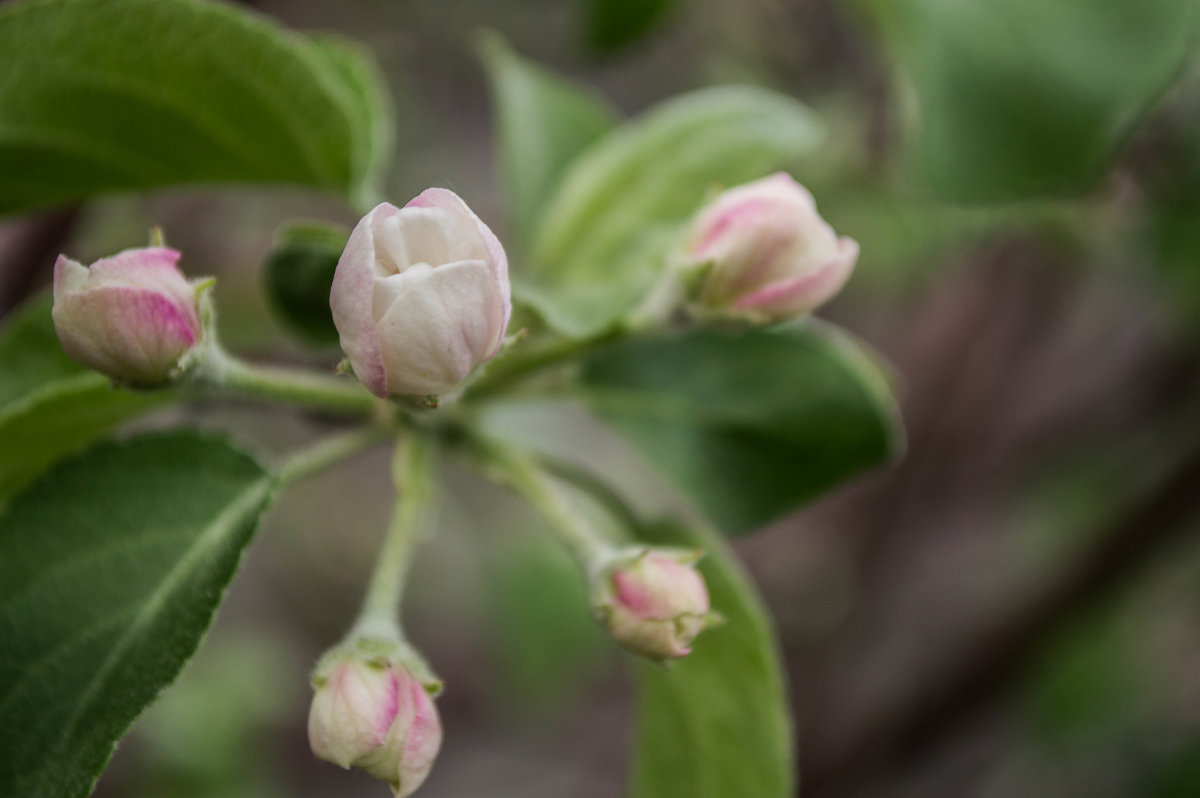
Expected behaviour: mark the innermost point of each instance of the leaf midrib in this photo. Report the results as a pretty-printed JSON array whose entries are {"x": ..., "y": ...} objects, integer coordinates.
[{"x": 210, "y": 539}]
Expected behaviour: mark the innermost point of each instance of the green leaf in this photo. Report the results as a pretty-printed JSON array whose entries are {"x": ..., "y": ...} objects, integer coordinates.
[
  {"x": 716, "y": 724},
  {"x": 298, "y": 275},
  {"x": 111, "y": 567},
  {"x": 544, "y": 650},
  {"x": 100, "y": 96},
  {"x": 749, "y": 424},
  {"x": 613, "y": 24},
  {"x": 607, "y": 229},
  {"x": 1016, "y": 98},
  {"x": 49, "y": 405},
  {"x": 543, "y": 122}
]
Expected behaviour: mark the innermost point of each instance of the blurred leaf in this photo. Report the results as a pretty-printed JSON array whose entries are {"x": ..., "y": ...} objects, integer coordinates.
[
  {"x": 111, "y": 567},
  {"x": 298, "y": 275},
  {"x": 716, "y": 724},
  {"x": 1017, "y": 98},
  {"x": 1088, "y": 683},
  {"x": 613, "y": 24},
  {"x": 1170, "y": 181},
  {"x": 1179, "y": 775},
  {"x": 608, "y": 227},
  {"x": 749, "y": 424},
  {"x": 100, "y": 96},
  {"x": 49, "y": 405},
  {"x": 543, "y": 122},
  {"x": 545, "y": 645},
  {"x": 204, "y": 728}
]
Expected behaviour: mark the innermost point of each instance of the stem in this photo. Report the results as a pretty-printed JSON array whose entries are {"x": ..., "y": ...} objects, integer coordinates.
[
  {"x": 299, "y": 387},
  {"x": 412, "y": 473},
  {"x": 595, "y": 487},
  {"x": 330, "y": 451},
  {"x": 527, "y": 480},
  {"x": 504, "y": 372}
]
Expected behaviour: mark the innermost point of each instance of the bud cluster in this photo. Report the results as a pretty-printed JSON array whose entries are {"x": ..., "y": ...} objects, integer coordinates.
[{"x": 420, "y": 299}]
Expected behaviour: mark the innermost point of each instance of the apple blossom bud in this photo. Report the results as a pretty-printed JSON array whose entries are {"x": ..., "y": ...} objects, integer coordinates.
[
  {"x": 421, "y": 295},
  {"x": 761, "y": 251},
  {"x": 374, "y": 714},
  {"x": 653, "y": 601},
  {"x": 131, "y": 316}
]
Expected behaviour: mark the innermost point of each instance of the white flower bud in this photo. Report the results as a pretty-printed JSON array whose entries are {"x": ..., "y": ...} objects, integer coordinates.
[
  {"x": 762, "y": 252},
  {"x": 653, "y": 602},
  {"x": 421, "y": 295},
  {"x": 130, "y": 317},
  {"x": 375, "y": 715}
]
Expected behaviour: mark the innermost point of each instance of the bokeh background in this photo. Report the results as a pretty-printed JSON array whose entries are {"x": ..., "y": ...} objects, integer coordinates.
[{"x": 1012, "y": 610}]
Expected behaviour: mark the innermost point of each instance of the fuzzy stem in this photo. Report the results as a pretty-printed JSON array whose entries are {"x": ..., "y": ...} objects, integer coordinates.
[
  {"x": 503, "y": 373},
  {"x": 522, "y": 474},
  {"x": 330, "y": 451},
  {"x": 299, "y": 387},
  {"x": 412, "y": 473}
]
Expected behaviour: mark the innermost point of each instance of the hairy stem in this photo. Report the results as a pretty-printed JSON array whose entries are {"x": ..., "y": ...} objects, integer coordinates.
[
  {"x": 508, "y": 371},
  {"x": 330, "y": 451},
  {"x": 523, "y": 475},
  {"x": 412, "y": 473},
  {"x": 223, "y": 372}
]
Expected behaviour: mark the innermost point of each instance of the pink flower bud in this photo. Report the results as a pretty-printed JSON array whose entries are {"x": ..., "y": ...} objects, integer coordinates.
[
  {"x": 131, "y": 316},
  {"x": 767, "y": 252},
  {"x": 421, "y": 295},
  {"x": 654, "y": 603},
  {"x": 378, "y": 717}
]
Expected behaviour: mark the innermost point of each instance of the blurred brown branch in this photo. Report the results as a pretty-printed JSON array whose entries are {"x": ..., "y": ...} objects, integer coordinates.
[{"x": 989, "y": 670}]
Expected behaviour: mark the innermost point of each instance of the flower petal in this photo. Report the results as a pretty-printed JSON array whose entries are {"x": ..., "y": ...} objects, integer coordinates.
[
  {"x": 439, "y": 324},
  {"x": 350, "y": 300}
]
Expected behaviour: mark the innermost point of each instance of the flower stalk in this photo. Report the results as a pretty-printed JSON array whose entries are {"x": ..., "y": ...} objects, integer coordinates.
[{"x": 413, "y": 476}]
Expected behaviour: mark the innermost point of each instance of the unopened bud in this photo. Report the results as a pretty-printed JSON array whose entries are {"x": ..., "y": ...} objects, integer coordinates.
[
  {"x": 761, "y": 251},
  {"x": 653, "y": 601},
  {"x": 420, "y": 296},
  {"x": 372, "y": 713},
  {"x": 130, "y": 317}
]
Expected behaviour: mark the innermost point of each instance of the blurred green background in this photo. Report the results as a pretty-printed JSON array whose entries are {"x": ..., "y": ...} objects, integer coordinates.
[{"x": 1013, "y": 610}]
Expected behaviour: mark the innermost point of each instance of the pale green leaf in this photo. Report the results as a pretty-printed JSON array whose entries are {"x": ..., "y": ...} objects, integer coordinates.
[
  {"x": 111, "y": 567},
  {"x": 542, "y": 123},
  {"x": 620, "y": 207},
  {"x": 100, "y": 96}
]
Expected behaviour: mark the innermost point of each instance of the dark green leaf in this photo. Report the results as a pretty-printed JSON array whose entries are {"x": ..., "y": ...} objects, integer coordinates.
[
  {"x": 716, "y": 724},
  {"x": 613, "y": 24},
  {"x": 98, "y": 96},
  {"x": 49, "y": 405},
  {"x": 111, "y": 567},
  {"x": 749, "y": 424},
  {"x": 1022, "y": 97},
  {"x": 608, "y": 227},
  {"x": 298, "y": 275}
]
